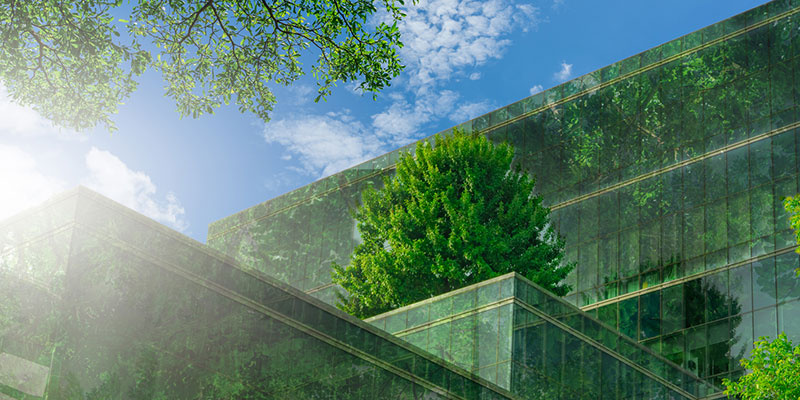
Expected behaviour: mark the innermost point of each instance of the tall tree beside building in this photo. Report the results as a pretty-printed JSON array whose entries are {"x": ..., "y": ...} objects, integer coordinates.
[{"x": 455, "y": 214}]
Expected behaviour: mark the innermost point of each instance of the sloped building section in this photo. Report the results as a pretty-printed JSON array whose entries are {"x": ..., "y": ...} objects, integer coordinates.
[
  {"x": 101, "y": 302},
  {"x": 510, "y": 331}
]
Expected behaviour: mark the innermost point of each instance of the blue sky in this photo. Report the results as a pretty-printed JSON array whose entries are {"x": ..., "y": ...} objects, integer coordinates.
[{"x": 463, "y": 58}]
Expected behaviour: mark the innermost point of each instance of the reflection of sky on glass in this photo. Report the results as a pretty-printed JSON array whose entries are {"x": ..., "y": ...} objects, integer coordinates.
[{"x": 461, "y": 61}]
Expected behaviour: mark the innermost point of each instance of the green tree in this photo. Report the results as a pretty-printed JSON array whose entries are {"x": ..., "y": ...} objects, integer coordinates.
[
  {"x": 792, "y": 205},
  {"x": 70, "y": 61},
  {"x": 454, "y": 214},
  {"x": 775, "y": 372}
]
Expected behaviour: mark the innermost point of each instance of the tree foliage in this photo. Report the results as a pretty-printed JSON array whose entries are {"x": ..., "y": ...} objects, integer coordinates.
[
  {"x": 792, "y": 205},
  {"x": 455, "y": 214},
  {"x": 775, "y": 372},
  {"x": 70, "y": 61}
]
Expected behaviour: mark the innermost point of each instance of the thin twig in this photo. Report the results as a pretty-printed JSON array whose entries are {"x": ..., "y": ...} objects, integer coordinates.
[
  {"x": 225, "y": 31},
  {"x": 196, "y": 17}
]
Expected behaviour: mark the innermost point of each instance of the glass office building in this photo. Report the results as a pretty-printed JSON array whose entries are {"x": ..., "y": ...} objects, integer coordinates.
[
  {"x": 512, "y": 332},
  {"x": 665, "y": 173},
  {"x": 99, "y": 302}
]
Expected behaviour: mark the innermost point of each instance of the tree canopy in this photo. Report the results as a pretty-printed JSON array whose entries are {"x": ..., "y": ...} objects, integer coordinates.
[
  {"x": 75, "y": 62},
  {"x": 775, "y": 367},
  {"x": 454, "y": 214},
  {"x": 792, "y": 205}
]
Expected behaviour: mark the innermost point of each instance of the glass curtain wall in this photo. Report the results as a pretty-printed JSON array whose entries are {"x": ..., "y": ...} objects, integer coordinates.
[
  {"x": 134, "y": 310},
  {"x": 665, "y": 173},
  {"x": 512, "y": 332},
  {"x": 664, "y": 164}
]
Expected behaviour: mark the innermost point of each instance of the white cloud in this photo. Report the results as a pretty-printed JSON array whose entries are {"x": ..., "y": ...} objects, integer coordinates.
[
  {"x": 526, "y": 16},
  {"x": 109, "y": 176},
  {"x": 301, "y": 94},
  {"x": 18, "y": 120},
  {"x": 467, "y": 111},
  {"x": 324, "y": 144},
  {"x": 557, "y": 4},
  {"x": 442, "y": 36},
  {"x": 22, "y": 182},
  {"x": 565, "y": 72},
  {"x": 441, "y": 39},
  {"x": 536, "y": 89},
  {"x": 400, "y": 123}
]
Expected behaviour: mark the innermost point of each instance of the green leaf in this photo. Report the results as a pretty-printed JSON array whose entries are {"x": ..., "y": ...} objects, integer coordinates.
[{"x": 454, "y": 214}]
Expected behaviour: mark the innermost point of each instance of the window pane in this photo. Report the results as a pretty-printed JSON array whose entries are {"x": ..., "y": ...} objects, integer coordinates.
[
  {"x": 628, "y": 317},
  {"x": 672, "y": 309},
  {"x": 761, "y": 212},
  {"x": 764, "y": 323},
  {"x": 696, "y": 349},
  {"x": 741, "y": 298},
  {"x": 788, "y": 319},
  {"x": 719, "y": 335},
  {"x": 742, "y": 338},
  {"x": 760, "y": 162},
  {"x": 629, "y": 252},
  {"x": 693, "y": 224},
  {"x": 763, "y": 283},
  {"x": 716, "y": 291},
  {"x": 738, "y": 218},
  {"x": 694, "y": 299},
  {"x": 716, "y": 230},
  {"x": 787, "y": 281},
  {"x": 738, "y": 176},
  {"x": 650, "y": 315}
]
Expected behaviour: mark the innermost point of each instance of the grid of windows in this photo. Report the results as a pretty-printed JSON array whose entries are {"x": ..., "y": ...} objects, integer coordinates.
[
  {"x": 470, "y": 328},
  {"x": 666, "y": 111},
  {"x": 691, "y": 219},
  {"x": 136, "y": 310},
  {"x": 516, "y": 334},
  {"x": 707, "y": 324},
  {"x": 665, "y": 172}
]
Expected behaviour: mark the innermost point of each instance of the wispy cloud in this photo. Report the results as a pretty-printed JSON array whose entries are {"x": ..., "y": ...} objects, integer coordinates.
[
  {"x": 475, "y": 76},
  {"x": 301, "y": 94},
  {"x": 564, "y": 73},
  {"x": 24, "y": 185},
  {"x": 111, "y": 177},
  {"x": 468, "y": 111},
  {"x": 324, "y": 144},
  {"x": 557, "y": 4},
  {"x": 400, "y": 123},
  {"x": 536, "y": 89},
  {"x": 17, "y": 120}
]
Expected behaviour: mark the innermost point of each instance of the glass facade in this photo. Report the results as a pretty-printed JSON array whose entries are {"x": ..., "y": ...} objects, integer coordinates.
[
  {"x": 514, "y": 333},
  {"x": 98, "y": 302},
  {"x": 469, "y": 327},
  {"x": 665, "y": 173}
]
